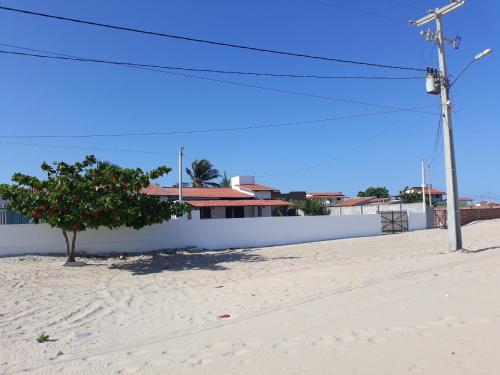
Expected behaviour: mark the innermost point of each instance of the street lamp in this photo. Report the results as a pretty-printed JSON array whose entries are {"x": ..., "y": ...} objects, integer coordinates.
[
  {"x": 479, "y": 56},
  {"x": 486, "y": 52}
]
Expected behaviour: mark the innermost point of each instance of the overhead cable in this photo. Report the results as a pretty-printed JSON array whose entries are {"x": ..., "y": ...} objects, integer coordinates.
[{"x": 207, "y": 41}]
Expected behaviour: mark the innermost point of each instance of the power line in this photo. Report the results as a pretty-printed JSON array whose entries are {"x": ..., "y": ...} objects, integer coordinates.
[
  {"x": 366, "y": 13},
  {"x": 264, "y": 88},
  {"x": 204, "y": 70},
  {"x": 202, "y": 131},
  {"x": 436, "y": 141},
  {"x": 206, "y": 41},
  {"x": 89, "y": 148}
]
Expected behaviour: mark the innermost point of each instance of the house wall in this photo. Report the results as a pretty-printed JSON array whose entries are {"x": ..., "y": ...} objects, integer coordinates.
[
  {"x": 262, "y": 194},
  {"x": 250, "y": 211},
  {"x": 182, "y": 232},
  {"x": 218, "y": 212},
  {"x": 437, "y": 199}
]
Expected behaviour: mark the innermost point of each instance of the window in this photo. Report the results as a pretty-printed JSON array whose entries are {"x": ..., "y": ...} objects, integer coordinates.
[
  {"x": 206, "y": 212},
  {"x": 235, "y": 212},
  {"x": 239, "y": 211},
  {"x": 259, "y": 211}
]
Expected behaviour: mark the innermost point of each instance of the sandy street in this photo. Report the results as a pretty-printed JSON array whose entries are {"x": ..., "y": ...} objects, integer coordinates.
[{"x": 397, "y": 304}]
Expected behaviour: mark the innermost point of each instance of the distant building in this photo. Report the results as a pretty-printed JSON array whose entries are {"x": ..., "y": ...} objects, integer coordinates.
[
  {"x": 359, "y": 201},
  {"x": 331, "y": 198},
  {"x": 464, "y": 201},
  {"x": 486, "y": 204},
  {"x": 244, "y": 199},
  {"x": 437, "y": 196},
  {"x": 291, "y": 196}
]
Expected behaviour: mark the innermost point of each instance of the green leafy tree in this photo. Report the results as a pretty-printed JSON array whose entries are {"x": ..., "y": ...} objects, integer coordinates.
[
  {"x": 202, "y": 172},
  {"x": 372, "y": 191},
  {"x": 89, "y": 194},
  {"x": 311, "y": 207},
  {"x": 410, "y": 197},
  {"x": 225, "y": 182}
]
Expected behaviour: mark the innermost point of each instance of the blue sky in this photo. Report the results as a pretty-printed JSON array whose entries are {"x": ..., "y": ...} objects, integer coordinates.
[{"x": 57, "y": 97}]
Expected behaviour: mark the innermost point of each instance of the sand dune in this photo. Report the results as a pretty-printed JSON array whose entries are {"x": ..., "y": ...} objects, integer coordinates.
[{"x": 382, "y": 305}]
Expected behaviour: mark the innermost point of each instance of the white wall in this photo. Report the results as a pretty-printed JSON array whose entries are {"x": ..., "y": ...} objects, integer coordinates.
[
  {"x": 242, "y": 180},
  {"x": 374, "y": 208},
  {"x": 417, "y": 221},
  {"x": 179, "y": 233}
]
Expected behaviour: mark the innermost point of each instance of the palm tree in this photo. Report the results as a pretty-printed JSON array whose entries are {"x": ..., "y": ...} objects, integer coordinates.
[
  {"x": 201, "y": 172},
  {"x": 311, "y": 207}
]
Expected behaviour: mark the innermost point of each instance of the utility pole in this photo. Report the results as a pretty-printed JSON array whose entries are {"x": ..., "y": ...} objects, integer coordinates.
[
  {"x": 453, "y": 209},
  {"x": 428, "y": 184},
  {"x": 181, "y": 155},
  {"x": 423, "y": 187}
]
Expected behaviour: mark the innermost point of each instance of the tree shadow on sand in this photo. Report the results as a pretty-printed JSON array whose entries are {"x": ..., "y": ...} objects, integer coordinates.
[
  {"x": 188, "y": 260},
  {"x": 470, "y": 251}
]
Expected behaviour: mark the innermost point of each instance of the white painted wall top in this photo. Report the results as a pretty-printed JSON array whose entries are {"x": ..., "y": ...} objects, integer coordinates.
[{"x": 242, "y": 180}]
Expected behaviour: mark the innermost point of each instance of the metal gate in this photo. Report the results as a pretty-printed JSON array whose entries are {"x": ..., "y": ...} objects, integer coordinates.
[
  {"x": 440, "y": 219},
  {"x": 394, "y": 221}
]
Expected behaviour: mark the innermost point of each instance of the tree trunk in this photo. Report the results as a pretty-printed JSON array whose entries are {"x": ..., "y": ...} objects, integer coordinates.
[
  {"x": 68, "y": 250},
  {"x": 71, "y": 257}
]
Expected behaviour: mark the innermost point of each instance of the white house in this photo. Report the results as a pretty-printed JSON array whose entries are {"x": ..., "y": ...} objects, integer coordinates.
[
  {"x": 436, "y": 195},
  {"x": 243, "y": 199}
]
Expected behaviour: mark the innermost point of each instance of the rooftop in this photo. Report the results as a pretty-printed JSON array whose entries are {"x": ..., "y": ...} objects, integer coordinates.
[
  {"x": 432, "y": 190},
  {"x": 238, "y": 203},
  {"x": 187, "y": 193},
  {"x": 336, "y": 194},
  {"x": 359, "y": 201}
]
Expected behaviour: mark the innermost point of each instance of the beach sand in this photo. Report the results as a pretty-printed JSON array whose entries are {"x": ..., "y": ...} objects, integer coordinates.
[{"x": 392, "y": 304}]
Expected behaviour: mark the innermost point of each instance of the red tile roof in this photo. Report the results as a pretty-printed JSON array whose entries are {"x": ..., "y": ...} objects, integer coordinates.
[
  {"x": 380, "y": 200},
  {"x": 336, "y": 194},
  {"x": 238, "y": 203},
  {"x": 153, "y": 189},
  {"x": 187, "y": 193},
  {"x": 465, "y": 199},
  {"x": 256, "y": 187},
  {"x": 433, "y": 191},
  {"x": 356, "y": 201}
]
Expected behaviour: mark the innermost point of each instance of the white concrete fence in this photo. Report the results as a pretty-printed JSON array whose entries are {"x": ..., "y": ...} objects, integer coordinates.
[
  {"x": 375, "y": 208},
  {"x": 183, "y": 232}
]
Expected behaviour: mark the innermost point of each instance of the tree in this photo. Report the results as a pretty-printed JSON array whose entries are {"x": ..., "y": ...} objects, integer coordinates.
[
  {"x": 410, "y": 197},
  {"x": 379, "y": 192},
  {"x": 202, "y": 172},
  {"x": 89, "y": 195},
  {"x": 311, "y": 207},
  {"x": 225, "y": 182}
]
